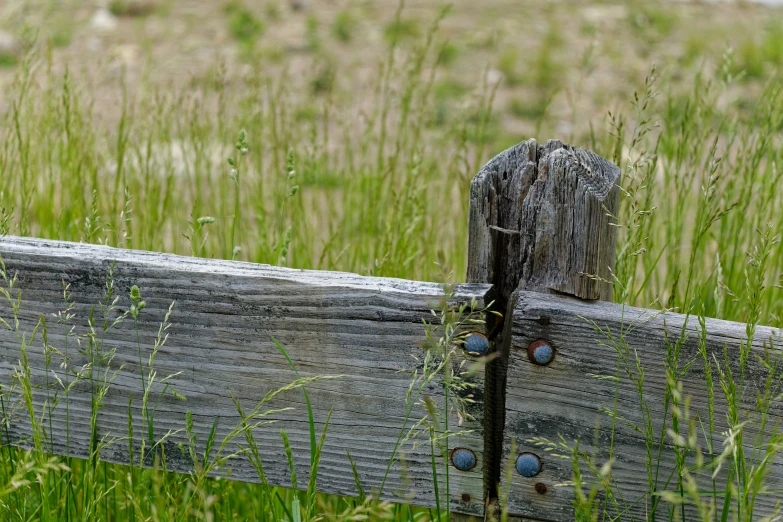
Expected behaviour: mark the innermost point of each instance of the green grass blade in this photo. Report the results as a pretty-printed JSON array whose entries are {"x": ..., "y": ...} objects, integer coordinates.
[
  {"x": 310, "y": 418},
  {"x": 356, "y": 479},
  {"x": 290, "y": 457}
]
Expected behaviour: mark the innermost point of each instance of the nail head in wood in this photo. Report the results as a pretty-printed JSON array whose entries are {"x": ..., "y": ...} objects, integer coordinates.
[
  {"x": 529, "y": 465},
  {"x": 476, "y": 344},
  {"x": 541, "y": 352},
  {"x": 463, "y": 459}
]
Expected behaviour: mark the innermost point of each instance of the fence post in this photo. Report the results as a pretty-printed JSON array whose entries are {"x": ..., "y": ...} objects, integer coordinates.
[{"x": 539, "y": 220}]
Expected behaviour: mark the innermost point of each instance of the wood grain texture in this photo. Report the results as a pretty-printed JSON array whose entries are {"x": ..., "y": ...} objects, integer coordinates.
[
  {"x": 367, "y": 330},
  {"x": 538, "y": 220},
  {"x": 564, "y": 398},
  {"x": 496, "y": 193}
]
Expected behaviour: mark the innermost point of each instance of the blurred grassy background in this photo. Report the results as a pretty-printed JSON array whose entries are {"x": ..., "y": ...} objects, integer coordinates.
[{"x": 560, "y": 64}]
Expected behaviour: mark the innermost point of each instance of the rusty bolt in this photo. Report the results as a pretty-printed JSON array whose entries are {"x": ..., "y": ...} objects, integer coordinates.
[
  {"x": 465, "y": 497},
  {"x": 541, "y": 352},
  {"x": 540, "y": 488}
]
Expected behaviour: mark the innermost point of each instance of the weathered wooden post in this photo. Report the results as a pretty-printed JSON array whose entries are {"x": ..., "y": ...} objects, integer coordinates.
[
  {"x": 539, "y": 221},
  {"x": 541, "y": 232}
]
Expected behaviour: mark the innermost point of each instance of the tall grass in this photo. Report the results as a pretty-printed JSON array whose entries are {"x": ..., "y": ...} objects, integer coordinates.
[
  {"x": 340, "y": 187},
  {"x": 374, "y": 188}
]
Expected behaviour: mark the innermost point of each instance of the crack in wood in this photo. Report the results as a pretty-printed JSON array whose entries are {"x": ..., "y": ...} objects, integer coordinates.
[{"x": 539, "y": 219}]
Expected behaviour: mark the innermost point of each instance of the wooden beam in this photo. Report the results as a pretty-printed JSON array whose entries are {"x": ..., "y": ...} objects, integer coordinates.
[
  {"x": 367, "y": 330},
  {"x": 539, "y": 220},
  {"x": 594, "y": 368}
]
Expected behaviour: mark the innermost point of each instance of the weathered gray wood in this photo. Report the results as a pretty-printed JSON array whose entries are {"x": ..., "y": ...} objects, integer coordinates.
[
  {"x": 539, "y": 219},
  {"x": 368, "y": 330},
  {"x": 564, "y": 398},
  {"x": 493, "y": 257}
]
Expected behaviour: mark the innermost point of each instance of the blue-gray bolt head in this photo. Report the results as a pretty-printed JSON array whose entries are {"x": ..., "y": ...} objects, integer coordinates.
[
  {"x": 541, "y": 352},
  {"x": 476, "y": 344},
  {"x": 463, "y": 459},
  {"x": 529, "y": 465}
]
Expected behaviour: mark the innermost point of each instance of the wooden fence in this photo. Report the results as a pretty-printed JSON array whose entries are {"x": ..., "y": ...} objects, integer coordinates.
[{"x": 540, "y": 253}]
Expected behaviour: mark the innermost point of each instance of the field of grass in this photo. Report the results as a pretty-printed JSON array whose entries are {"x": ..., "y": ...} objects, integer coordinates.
[{"x": 363, "y": 125}]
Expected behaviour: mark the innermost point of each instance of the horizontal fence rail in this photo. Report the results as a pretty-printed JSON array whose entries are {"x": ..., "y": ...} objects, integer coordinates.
[
  {"x": 366, "y": 332},
  {"x": 573, "y": 371}
]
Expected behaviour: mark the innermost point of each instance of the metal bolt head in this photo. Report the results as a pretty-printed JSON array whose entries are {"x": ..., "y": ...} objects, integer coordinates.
[
  {"x": 541, "y": 352},
  {"x": 540, "y": 488},
  {"x": 466, "y": 497},
  {"x": 476, "y": 344},
  {"x": 463, "y": 459},
  {"x": 529, "y": 465}
]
